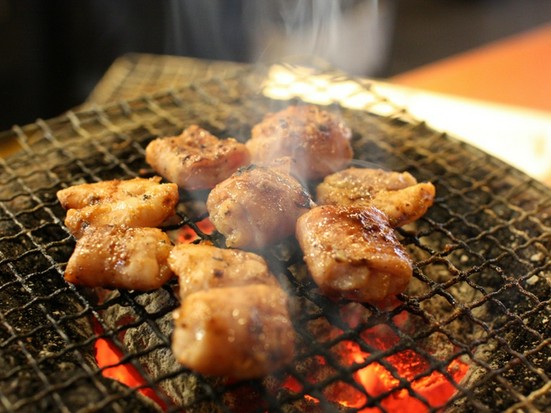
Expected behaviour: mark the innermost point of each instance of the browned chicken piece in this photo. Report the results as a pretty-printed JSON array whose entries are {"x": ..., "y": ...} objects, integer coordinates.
[
  {"x": 200, "y": 267},
  {"x": 397, "y": 194},
  {"x": 353, "y": 185},
  {"x": 318, "y": 140},
  {"x": 405, "y": 205},
  {"x": 353, "y": 253},
  {"x": 136, "y": 202},
  {"x": 239, "y": 332},
  {"x": 196, "y": 159},
  {"x": 257, "y": 206},
  {"x": 83, "y": 195},
  {"x": 120, "y": 257}
]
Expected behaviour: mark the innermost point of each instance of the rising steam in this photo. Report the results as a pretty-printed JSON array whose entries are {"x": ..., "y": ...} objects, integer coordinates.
[{"x": 352, "y": 35}]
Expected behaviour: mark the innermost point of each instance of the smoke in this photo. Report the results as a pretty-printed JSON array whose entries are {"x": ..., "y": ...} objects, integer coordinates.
[{"x": 352, "y": 35}]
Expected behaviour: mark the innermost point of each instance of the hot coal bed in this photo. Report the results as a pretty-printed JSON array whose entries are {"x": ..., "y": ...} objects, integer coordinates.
[{"x": 471, "y": 333}]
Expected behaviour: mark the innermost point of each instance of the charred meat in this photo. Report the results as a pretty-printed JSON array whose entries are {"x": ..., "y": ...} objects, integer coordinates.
[
  {"x": 407, "y": 205},
  {"x": 136, "y": 202},
  {"x": 234, "y": 319},
  {"x": 120, "y": 257},
  {"x": 257, "y": 206},
  {"x": 201, "y": 267},
  {"x": 238, "y": 332},
  {"x": 196, "y": 159},
  {"x": 83, "y": 195},
  {"x": 353, "y": 253},
  {"x": 397, "y": 194},
  {"x": 318, "y": 140}
]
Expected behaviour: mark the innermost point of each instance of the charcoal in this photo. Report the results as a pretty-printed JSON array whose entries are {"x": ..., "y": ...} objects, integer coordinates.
[
  {"x": 48, "y": 361},
  {"x": 148, "y": 341},
  {"x": 76, "y": 391}
]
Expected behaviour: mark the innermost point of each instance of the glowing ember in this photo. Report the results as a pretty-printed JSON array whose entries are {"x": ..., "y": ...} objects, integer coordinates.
[
  {"x": 408, "y": 383},
  {"x": 187, "y": 234},
  {"x": 404, "y": 382},
  {"x": 108, "y": 358},
  {"x": 434, "y": 388}
]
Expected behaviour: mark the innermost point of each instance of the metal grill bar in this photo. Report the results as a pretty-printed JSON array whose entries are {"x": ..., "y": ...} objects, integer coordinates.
[{"x": 480, "y": 292}]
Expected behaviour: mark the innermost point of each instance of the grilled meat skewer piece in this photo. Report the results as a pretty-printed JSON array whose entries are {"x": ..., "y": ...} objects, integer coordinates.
[
  {"x": 316, "y": 139},
  {"x": 120, "y": 257},
  {"x": 257, "y": 206},
  {"x": 201, "y": 267},
  {"x": 353, "y": 253},
  {"x": 136, "y": 202},
  {"x": 196, "y": 159},
  {"x": 239, "y": 332},
  {"x": 397, "y": 194}
]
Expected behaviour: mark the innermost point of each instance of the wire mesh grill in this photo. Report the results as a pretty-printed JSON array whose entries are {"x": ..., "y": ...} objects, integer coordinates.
[{"x": 479, "y": 298}]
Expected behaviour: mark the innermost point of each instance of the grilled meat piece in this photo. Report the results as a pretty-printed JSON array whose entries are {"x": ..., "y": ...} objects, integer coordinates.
[
  {"x": 200, "y": 267},
  {"x": 83, "y": 195},
  {"x": 136, "y": 202},
  {"x": 406, "y": 205},
  {"x": 352, "y": 252},
  {"x": 239, "y": 332},
  {"x": 397, "y": 194},
  {"x": 353, "y": 185},
  {"x": 257, "y": 206},
  {"x": 120, "y": 257},
  {"x": 196, "y": 159},
  {"x": 318, "y": 140}
]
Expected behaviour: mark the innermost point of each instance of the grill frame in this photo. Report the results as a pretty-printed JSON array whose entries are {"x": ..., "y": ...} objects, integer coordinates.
[{"x": 487, "y": 211}]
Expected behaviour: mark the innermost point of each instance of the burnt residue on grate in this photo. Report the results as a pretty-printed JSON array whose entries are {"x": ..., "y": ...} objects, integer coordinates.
[{"x": 479, "y": 298}]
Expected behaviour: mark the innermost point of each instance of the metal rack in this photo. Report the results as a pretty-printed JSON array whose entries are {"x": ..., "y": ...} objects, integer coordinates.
[{"x": 480, "y": 294}]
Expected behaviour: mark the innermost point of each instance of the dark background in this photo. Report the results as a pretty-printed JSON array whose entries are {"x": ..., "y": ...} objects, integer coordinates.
[{"x": 53, "y": 52}]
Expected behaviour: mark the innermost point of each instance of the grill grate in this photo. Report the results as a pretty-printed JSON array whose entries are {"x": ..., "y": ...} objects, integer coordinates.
[{"x": 480, "y": 294}]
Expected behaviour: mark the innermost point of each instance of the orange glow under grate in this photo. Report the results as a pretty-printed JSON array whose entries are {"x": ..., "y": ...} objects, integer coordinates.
[
  {"x": 427, "y": 384},
  {"x": 109, "y": 358},
  {"x": 435, "y": 387},
  {"x": 187, "y": 234},
  {"x": 430, "y": 388}
]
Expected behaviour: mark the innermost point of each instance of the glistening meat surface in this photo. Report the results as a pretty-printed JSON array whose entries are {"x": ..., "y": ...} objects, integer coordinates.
[
  {"x": 318, "y": 140},
  {"x": 120, "y": 257},
  {"x": 196, "y": 159},
  {"x": 257, "y": 206},
  {"x": 397, "y": 194},
  {"x": 239, "y": 332},
  {"x": 353, "y": 253},
  {"x": 233, "y": 320},
  {"x": 137, "y": 202},
  {"x": 201, "y": 267}
]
